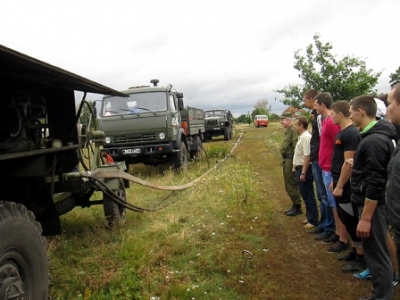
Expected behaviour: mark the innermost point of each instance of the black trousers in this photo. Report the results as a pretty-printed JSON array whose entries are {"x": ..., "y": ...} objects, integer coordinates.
[{"x": 376, "y": 254}]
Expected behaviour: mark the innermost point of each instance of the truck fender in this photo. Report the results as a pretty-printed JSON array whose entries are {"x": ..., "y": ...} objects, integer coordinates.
[{"x": 180, "y": 138}]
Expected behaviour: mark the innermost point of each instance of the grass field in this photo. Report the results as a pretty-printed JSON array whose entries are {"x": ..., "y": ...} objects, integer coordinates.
[{"x": 224, "y": 238}]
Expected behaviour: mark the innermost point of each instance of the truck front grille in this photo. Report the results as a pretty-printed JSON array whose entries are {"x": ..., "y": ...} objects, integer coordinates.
[
  {"x": 135, "y": 138},
  {"x": 211, "y": 123}
]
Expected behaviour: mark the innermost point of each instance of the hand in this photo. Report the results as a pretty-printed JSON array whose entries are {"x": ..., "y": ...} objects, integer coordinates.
[
  {"x": 302, "y": 177},
  {"x": 349, "y": 162},
  {"x": 293, "y": 170},
  {"x": 338, "y": 192},
  {"x": 363, "y": 228},
  {"x": 331, "y": 186}
]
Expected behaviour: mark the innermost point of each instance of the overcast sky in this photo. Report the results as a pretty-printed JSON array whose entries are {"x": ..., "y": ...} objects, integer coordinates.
[{"x": 220, "y": 54}]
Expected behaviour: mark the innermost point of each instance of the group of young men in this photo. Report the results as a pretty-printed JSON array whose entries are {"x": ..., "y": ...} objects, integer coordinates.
[{"x": 352, "y": 160}]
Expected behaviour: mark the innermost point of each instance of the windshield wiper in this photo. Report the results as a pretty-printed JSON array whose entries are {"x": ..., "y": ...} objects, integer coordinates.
[
  {"x": 146, "y": 109},
  {"x": 130, "y": 111}
]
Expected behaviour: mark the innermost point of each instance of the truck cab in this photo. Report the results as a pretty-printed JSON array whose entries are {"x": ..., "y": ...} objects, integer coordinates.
[{"x": 146, "y": 127}]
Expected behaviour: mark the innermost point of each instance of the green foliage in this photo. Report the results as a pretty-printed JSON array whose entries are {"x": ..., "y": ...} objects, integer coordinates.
[
  {"x": 217, "y": 151},
  {"x": 259, "y": 111},
  {"x": 87, "y": 115},
  {"x": 241, "y": 119},
  {"x": 395, "y": 78},
  {"x": 273, "y": 117},
  {"x": 321, "y": 70}
]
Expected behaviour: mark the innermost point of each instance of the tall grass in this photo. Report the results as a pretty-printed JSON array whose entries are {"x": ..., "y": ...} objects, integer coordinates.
[{"x": 191, "y": 249}]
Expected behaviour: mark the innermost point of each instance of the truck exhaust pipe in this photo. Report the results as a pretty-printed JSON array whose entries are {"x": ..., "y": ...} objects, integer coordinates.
[{"x": 154, "y": 82}]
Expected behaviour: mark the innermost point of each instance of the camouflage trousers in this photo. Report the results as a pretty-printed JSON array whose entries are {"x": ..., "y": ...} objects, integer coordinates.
[{"x": 291, "y": 184}]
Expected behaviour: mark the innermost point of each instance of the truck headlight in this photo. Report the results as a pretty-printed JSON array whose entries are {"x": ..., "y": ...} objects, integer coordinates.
[
  {"x": 161, "y": 135},
  {"x": 222, "y": 124},
  {"x": 107, "y": 140}
]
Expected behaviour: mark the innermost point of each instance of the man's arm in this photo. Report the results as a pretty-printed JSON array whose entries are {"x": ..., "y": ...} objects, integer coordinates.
[
  {"x": 345, "y": 174},
  {"x": 306, "y": 164},
  {"x": 364, "y": 225}
]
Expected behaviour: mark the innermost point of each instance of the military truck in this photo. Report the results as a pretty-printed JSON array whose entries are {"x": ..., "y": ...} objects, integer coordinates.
[
  {"x": 218, "y": 122},
  {"x": 151, "y": 126},
  {"x": 40, "y": 150}
]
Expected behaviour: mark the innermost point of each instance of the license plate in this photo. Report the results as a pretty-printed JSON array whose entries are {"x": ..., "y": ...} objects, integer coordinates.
[
  {"x": 131, "y": 151},
  {"x": 216, "y": 128}
]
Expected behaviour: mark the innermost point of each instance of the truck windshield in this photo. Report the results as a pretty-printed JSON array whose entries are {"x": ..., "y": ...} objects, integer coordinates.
[
  {"x": 215, "y": 113},
  {"x": 134, "y": 104}
]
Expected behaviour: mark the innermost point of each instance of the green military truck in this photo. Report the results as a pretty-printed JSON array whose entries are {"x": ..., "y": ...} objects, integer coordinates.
[
  {"x": 40, "y": 150},
  {"x": 218, "y": 122},
  {"x": 151, "y": 126}
]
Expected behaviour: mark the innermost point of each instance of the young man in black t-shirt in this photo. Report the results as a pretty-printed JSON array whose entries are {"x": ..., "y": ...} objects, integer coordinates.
[{"x": 346, "y": 143}]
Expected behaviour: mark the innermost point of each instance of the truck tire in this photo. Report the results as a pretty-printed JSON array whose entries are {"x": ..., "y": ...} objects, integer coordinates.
[
  {"x": 180, "y": 159},
  {"x": 197, "y": 145},
  {"x": 115, "y": 213},
  {"x": 24, "y": 268},
  {"x": 226, "y": 134}
]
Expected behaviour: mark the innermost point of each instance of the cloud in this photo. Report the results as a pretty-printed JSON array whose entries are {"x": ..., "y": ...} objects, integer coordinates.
[{"x": 218, "y": 53}]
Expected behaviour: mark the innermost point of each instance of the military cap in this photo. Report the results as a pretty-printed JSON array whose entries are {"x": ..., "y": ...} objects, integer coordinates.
[{"x": 286, "y": 115}]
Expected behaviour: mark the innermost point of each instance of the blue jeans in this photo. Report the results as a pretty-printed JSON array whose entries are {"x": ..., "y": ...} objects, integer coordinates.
[
  {"x": 326, "y": 221},
  {"x": 327, "y": 178},
  {"x": 307, "y": 193}
]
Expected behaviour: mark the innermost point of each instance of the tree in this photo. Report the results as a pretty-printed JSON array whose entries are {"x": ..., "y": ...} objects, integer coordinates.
[
  {"x": 241, "y": 119},
  {"x": 395, "y": 78},
  {"x": 261, "y": 108},
  {"x": 258, "y": 111},
  {"x": 263, "y": 104},
  {"x": 343, "y": 78},
  {"x": 274, "y": 117}
]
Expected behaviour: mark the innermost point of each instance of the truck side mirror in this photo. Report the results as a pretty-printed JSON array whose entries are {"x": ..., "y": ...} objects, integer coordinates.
[
  {"x": 180, "y": 104},
  {"x": 97, "y": 107}
]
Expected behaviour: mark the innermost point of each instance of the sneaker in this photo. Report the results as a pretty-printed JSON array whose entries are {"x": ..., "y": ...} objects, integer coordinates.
[
  {"x": 367, "y": 298},
  {"x": 308, "y": 226},
  {"x": 294, "y": 212},
  {"x": 355, "y": 266},
  {"x": 338, "y": 247},
  {"x": 304, "y": 222},
  {"x": 316, "y": 230},
  {"x": 323, "y": 235},
  {"x": 366, "y": 274},
  {"x": 396, "y": 279},
  {"x": 332, "y": 239},
  {"x": 348, "y": 257}
]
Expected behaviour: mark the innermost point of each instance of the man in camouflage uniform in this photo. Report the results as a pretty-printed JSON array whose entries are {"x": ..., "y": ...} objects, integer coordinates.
[{"x": 287, "y": 150}]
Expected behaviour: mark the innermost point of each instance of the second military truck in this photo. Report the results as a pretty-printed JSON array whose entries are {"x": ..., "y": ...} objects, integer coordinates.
[
  {"x": 151, "y": 126},
  {"x": 218, "y": 122}
]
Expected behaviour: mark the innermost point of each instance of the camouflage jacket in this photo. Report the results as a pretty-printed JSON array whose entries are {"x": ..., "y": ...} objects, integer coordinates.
[{"x": 289, "y": 142}]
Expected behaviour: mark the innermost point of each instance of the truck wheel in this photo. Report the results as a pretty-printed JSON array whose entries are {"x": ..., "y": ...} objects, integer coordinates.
[
  {"x": 180, "y": 159},
  {"x": 197, "y": 144},
  {"x": 115, "y": 213},
  {"x": 226, "y": 133},
  {"x": 230, "y": 133},
  {"x": 23, "y": 260}
]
